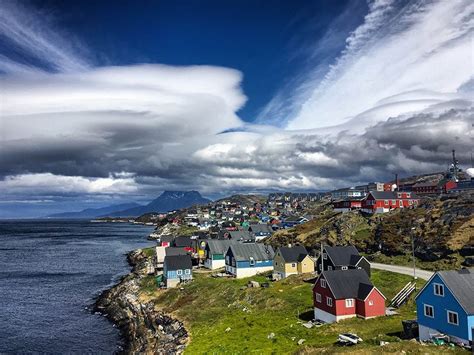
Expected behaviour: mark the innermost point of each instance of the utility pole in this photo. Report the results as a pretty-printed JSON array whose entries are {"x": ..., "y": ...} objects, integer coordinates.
[
  {"x": 322, "y": 258},
  {"x": 413, "y": 251}
]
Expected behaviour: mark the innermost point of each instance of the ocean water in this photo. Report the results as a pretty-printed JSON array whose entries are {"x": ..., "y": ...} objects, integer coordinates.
[{"x": 50, "y": 274}]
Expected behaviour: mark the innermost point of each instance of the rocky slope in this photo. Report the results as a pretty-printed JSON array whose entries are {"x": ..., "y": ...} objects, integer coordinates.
[
  {"x": 441, "y": 227},
  {"x": 144, "y": 328}
]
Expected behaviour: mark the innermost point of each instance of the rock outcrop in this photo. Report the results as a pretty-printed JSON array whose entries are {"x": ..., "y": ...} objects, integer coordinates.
[{"x": 144, "y": 328}]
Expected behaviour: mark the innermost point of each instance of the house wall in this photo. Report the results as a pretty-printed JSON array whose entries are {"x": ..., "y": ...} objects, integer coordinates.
[
  {"x": 364, "y": 264},
  {"x": 279, "y": 263},
  {"x": 342, "y": 310},
  {"x": 306, "y": 265},
  {"x": 325, "y": 292},
  {"x": 441, "y": 305},
  {"x": 364, "y": 309}
]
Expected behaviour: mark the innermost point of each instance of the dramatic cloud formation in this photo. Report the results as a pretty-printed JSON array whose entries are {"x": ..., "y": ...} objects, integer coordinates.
[{"x": 397, "y": 99}]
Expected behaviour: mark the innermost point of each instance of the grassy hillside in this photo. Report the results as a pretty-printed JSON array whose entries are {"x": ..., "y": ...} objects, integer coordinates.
[{"x": 224, "y": 317}]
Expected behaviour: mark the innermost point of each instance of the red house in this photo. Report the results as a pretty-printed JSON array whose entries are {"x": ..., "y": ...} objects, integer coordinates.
[
  {"x": 347, "y": 204},
  {"x": 385, "y": 201},
  {"x": 341, "y": 294},
  {"x": 434, "y": 188}
]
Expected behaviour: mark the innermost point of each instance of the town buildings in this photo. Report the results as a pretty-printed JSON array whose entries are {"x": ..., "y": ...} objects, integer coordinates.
[
  {"x": 248, "y": 259},
  {"x": 292, "y": 260}
]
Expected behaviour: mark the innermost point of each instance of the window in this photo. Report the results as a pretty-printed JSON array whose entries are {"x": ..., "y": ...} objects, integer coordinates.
[
  {"x": 400, "y": 203},
  {"x": 394, "y": 202},
  {"x": 408, "y": 194},
  {"x": 329, "y": 301},
  {"x": 318, "y": 297},
  {"x": 385, "y": 202},
  {"x": 438, "y": 289},
  {"x": 371, "y": 303},
  {"x": 453, "y": 318},
  {"x": 179, "y": 272},
  {"x": 323, "y": 283},
  {"x": 252, "y": 261},
  {"x": 187, "y": 272},
  {"x": 329, "y": 267},
  {"x": 276, "y": 263},
  {"x": 293, "y": 265},
  {"x": 349, "y": 303},
  {"x": 429, "y": 311},
  {"x": 325, "y": 256},
  {"x": 344, "y": 268}
]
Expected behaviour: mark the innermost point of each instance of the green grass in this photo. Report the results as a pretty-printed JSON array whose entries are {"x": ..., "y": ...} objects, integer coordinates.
[
  {"x": 149, "y": 252},
  {"x": 209, "y": 306}
]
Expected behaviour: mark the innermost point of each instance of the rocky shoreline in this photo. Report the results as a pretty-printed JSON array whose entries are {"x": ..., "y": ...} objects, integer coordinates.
[{"x": 143, "y": 328}]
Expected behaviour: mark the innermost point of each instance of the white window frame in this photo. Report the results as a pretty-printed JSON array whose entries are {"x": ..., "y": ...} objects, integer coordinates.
[
  {"x": 349, "y": 302},
  {"x": 323, "y": 283},
  {"x": 328, "y": 301},
  {"x": 252, "y": 261},
  {"x": 179, "y": 272},
  {"x": 371, "y": 302},
  {"x": 425, "y": 307},
  {"x": 343, "y": 267},
  {"x": 325, "y": 256},
  {"x": 318, "y": 297},
  {"x": 457, "y": 317},
  {"x": 329, "y": 267},
  {"x": 385, "y": 202},
  {"x": 440, "y": 287},
  {"x": 187, "y": 272}
]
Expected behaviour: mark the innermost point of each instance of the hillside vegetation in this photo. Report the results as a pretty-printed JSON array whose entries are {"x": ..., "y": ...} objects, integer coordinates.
[
  {"x": 441, "y": 228},
  {"x": 224, "y": 316}
]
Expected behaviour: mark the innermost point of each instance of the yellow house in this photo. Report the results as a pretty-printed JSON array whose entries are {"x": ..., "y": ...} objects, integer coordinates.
[{"x": 292, "y": 260}]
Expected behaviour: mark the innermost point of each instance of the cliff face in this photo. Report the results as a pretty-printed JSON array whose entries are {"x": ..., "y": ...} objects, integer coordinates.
[{"x": 144, "y": 329}]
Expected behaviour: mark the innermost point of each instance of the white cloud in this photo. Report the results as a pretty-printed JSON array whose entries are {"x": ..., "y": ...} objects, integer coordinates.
[{"x": 47, "y": 183}]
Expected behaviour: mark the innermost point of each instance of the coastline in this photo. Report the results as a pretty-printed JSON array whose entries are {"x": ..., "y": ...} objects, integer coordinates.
[{"x": 143, "y": 328}]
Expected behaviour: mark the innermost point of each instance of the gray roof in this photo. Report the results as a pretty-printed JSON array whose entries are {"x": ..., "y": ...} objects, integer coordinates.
[
  {"x": 260, "y": 228},
  {"x": 175, "y": 251},
  {"x": 293, "y": 254},
  {"x": 461, "y": 284},
  {"x": 178, "y": 262},
  {"x": 352, "y": 283},
  {"x": 219, "y": 246},
  {"x": 343, "y": 255},
  {"x": 390, "y": 195},
  {"x": 257, "y": 251}
]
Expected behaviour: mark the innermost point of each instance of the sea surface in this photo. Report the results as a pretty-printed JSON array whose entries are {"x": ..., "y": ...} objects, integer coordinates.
[{"x": 50, "y": 274}]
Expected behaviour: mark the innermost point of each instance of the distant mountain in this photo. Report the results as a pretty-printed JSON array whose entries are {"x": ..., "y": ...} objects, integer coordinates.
[
  {"x": 95, "y": 212},
  {"x": 167, "y": 201}
]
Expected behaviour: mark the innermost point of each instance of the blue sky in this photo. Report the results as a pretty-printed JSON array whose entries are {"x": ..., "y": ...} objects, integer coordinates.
[{"x": 106, "y": 102}]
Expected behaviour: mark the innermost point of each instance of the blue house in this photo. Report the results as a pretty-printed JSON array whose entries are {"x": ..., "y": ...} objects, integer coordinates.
[
  {"x": 248, "y": 259},
  {"x": 445, "y": 305},
  {"x": 177, "y": 268}
]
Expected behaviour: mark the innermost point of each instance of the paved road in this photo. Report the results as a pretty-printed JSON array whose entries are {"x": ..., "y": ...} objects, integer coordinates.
[{"x": 405, "y": 270}]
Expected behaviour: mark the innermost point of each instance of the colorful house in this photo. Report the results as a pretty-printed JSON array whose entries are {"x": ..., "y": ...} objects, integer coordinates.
[
  {"x": 248, "y": 259},
  {"x": 215, "y": 253},
  {"x": 342, "y": 258},
  {"x": 342, "y": 294},
  {"x": 176, "y": 269},
  {"x": 385, "y": 201},
  {"x": 165, "y": 240},
  {"x": 445, "y": 305},
  {"x": 292, "y": 260}
]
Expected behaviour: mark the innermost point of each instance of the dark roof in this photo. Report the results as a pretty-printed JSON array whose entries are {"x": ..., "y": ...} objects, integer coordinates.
[
  {"x": 183, "y": 241},
  {"x": 342, "y": 255},
  {"x": 391, "y": 195},
  {"x": 219, "y": 246},
  {"x": 240, "y": 235},
  {"x": 352, "y": 283},
  {"x": 293, "y": 254},
  {"x": 257, "y": 251},
  {"x": 170, "y": 251},
  {"x": 461, "y": 284},
  {"x": 166, "y": 238},
  {"x": 178, "y": 262},
  {"x": 260, "y": 228}
]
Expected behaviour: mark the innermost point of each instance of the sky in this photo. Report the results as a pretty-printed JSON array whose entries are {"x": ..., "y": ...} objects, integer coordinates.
[{"x": 109, "y": 102}]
